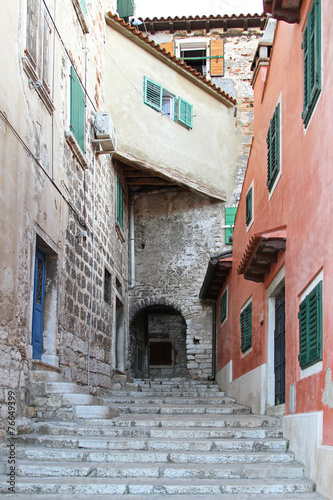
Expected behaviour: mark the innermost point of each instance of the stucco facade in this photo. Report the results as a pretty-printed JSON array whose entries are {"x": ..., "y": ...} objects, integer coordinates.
[{"x": 282, "y": 251}]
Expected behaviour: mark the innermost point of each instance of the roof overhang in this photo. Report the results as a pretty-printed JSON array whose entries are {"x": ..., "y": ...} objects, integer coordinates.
[
  {"x": 190, "y": 24},
  {"x": 216, "y": 275},
  {"x": 142, "y": 174},
  {"x": 262, "y": 250},
  {"x": 284, "y": 10}
]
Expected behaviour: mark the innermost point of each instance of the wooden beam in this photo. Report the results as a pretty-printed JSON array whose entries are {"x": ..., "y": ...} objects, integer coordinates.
[
  {"x": 267, "y": 257},
  {"x": 255, "y": 277},
  {"x": 260, "y": 268}
]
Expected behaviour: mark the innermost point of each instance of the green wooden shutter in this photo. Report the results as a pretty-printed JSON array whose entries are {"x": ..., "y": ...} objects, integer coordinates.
[
  {"x": 273, "y": 148},
  {"x": 223, "y": 306},
  {"x": 248, "y": 214},
  {"x": 230, "y": 214},
  {"x": 125, "y": 8},
  {"x": 311, "y": 60},
  {"x": 246, "y": 328},
  {"x": 310, "y": 328},
  {"x": 152, "y": 93},
  {"x": 84, "y": 6},
  {"x": 120, "y": 203},
  {"x": 185, "y": 113},
  {"x": 77, "y": 108}
]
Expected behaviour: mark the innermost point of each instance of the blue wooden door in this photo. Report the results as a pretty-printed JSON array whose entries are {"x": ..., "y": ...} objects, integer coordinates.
[{"x": 38, "y": 307}]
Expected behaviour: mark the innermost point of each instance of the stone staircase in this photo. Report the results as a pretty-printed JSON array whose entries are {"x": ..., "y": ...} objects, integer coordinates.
[{"x": 178, "y": 438}]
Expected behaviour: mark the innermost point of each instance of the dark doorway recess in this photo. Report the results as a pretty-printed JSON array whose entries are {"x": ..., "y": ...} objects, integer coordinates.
[
  {"x": 280, "y": 348},
  {"x": 158, "y": 343}
]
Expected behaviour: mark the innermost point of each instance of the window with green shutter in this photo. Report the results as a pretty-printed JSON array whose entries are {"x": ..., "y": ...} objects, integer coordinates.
[
  {"x": 77, "y": 109},
  {"x": 162, "y": 100},
  {"x": 185, "y": 113},
  {"x": 125, "y": 8},
  {"x": 223, "y": 306},
  {"x": 310, "y": 317},
  {"x": 248, "y": 209},
  {"x": 246, "y": 327},
  {"x": 120, "y": 203},
  {"x": 230, "y": 214},
  {"x": 311, "y": 60},
  {"x": 273, "y": 148}
]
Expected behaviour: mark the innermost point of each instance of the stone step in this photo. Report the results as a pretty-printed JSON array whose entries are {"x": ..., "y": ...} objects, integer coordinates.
[
  {"x": 154, "y": 444},
  {"x": 46, "y": 376},
  {"x": 57, "y": 387},
  {"x": 188, "y": 409},
  {"x": 142, "y": 399},
  {"x": 237, "y": 496},
  {"x": 201, "y": 471},
  {"x": 83, "y": 399},
  {"x": 153, "y": 432},
  {"x": 145, "y": 486},
  {"x": 138, "y": 456},
  {"x": 197, "y": 420},
  {"x": 94, "y": 412}
]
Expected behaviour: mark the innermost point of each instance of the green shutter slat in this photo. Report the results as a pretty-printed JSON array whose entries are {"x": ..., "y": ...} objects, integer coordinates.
[
  {"x": 185, "y": 112},
  {"x": 310, "y": 327},
  {"x": 246, "y": 328},
  {"x": 77, "y": 109},
  {"x": 84, "y": 6},
  {"x": 273, "y": 148},
  {"x": 152, "y": 93},
  {"x": 230, "y": 214},
  {"x": 311, "y": 60},
  {"x": 125, "y": 8},
  {"x": 248, "y": 208},
  {"x": 223, "y": 307}
]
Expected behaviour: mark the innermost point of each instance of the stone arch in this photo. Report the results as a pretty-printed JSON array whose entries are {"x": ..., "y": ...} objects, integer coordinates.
[{"x": 158, "y": 340}]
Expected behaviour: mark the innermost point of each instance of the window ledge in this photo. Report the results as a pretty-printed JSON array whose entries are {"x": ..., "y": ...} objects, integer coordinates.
[
  {"x": 120, "y": 233},
  {"x": 71, "y": 141},
  {"x": 81, "y": 16},
  {"x": 40, "y": 87}
]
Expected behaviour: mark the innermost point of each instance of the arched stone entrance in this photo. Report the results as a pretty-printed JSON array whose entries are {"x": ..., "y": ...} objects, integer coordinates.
[{"x": 158, "y": 343}]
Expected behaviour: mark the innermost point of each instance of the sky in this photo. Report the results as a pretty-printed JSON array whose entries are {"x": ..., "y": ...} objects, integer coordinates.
[{"x": 165, "y": 8}]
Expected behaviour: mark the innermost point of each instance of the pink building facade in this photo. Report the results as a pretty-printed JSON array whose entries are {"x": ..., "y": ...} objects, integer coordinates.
[{"x": 274, "y": 305}]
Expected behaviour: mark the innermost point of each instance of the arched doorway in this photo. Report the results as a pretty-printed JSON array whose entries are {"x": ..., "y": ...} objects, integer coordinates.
[{"x": 158, "y": 343}]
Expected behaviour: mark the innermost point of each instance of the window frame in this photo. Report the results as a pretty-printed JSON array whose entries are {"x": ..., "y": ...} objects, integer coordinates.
[
  {"x": 312, "y": 66},
  {"x": 184, "y": 44},
  {"x": 310, "y": 315},
  {"x": 246, "y": 326}
]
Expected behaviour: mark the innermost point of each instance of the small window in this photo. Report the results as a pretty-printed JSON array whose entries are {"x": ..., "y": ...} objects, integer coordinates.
[
  {"x": 273, "y": 148},
  {"x": 196, "y": 58},
  {"x": 230, "y": 214},
  {"x": 224, "y": 306},
  {"x": 204, "y": 55},
  {"x": 246, "y": 327},
  {"x": 162, "y": 100},
  {"x": 311, "y": 61},
  {"x": 120, "y": 203},
  {"x": 77, "y": 109},
  {"x": 249, "y": 207},
  {"x": 310, "y": 327},
  {"x": 107, "y": 286}
]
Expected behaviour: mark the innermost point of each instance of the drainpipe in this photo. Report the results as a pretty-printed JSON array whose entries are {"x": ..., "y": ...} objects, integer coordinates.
[
  {"x": 92, "y": 271},
  {"x": 214, "y": 353},
  {"x": 131, "y": 237}
]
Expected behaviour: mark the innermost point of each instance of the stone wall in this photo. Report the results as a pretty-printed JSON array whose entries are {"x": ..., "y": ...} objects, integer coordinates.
[{"x": 175, "y": 232}]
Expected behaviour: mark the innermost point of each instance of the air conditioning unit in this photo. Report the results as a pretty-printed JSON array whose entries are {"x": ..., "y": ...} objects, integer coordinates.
[{"x": 105, "y": 131}]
